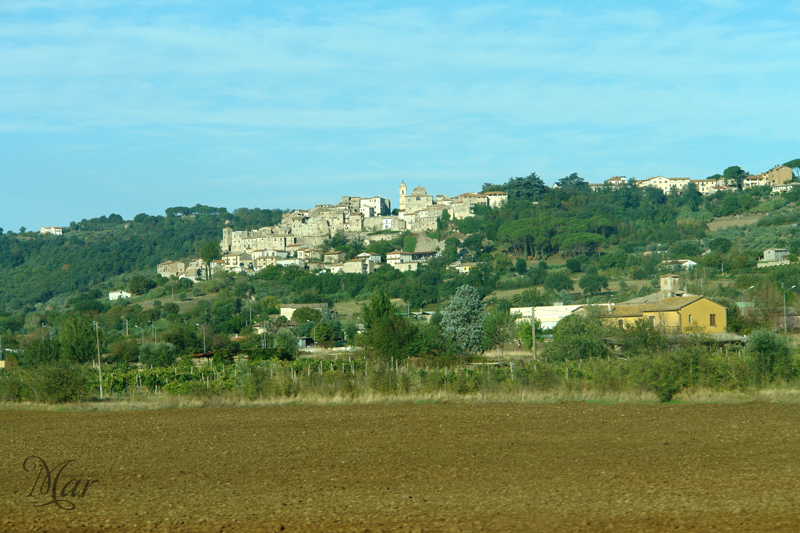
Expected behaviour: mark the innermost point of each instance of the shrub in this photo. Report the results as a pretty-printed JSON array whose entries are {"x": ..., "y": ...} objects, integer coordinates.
[
  {"x": 59, "y": 383},
  {"x": 578, "y": 337},
  {"x": 558, "y": 281},
  {"x": 666, "y": 377},
  {"x": 770, "y": 353},
  {"x": 642, "y": 337},
  {"x": 286, "y": 345},
  {"x": 157, "y": 354}
]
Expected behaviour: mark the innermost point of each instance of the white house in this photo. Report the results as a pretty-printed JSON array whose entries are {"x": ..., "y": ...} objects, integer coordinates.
[
  {"x": 287, "y": 310},
  {"x": 548, "y": 315},
  {"x": 683, "y": 264},
  {"x": 116, "y": 295},
  {"x": 375, "y": 258}
]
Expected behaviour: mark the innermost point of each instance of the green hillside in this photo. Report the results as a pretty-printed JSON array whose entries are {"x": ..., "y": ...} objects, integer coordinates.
[{"x": 566, "y": 244}]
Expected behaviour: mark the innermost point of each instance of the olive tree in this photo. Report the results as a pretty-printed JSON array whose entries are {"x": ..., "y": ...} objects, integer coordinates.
[{"x": 462, "y": 319}]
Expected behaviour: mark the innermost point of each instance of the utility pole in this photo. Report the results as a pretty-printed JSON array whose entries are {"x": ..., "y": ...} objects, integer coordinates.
[
  {"x": 99, "y": 362},
  {"x": 533, "y": 331},
  {"x": 204, "y": 336},
  {"x": 784, "y": 306}
]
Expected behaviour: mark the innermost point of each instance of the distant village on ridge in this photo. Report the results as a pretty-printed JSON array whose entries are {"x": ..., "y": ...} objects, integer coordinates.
[{"x": 297, "y": 239}]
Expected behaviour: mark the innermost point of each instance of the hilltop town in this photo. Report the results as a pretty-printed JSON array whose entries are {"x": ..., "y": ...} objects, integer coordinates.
[{"x": 298, "y": 240}]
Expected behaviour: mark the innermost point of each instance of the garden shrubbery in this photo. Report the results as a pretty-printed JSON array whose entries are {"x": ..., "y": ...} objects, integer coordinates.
[{"x": 767, "y": 361}]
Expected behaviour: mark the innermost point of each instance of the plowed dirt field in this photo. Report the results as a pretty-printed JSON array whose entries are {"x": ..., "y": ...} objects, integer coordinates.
[{"x": 405, "y": 467}]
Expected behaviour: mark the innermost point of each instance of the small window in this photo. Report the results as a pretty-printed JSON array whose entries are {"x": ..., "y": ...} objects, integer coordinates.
[
  {"x": 619, "y": 322},
  {"x": 652, "y": 320},
  {"x": 712, "y": 320},
  {"x": 690, "y": 319}
]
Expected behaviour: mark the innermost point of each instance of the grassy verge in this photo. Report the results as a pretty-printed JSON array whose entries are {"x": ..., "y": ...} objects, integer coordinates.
[{"x": 714, "y": 377}]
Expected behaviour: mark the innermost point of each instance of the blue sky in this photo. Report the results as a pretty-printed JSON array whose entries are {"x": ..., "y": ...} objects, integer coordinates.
[{"x": 130, "y": 107}]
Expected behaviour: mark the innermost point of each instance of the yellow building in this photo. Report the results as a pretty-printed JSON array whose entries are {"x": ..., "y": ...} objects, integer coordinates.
[
  {"x": 677, "y": 315},
  {"x": 665, "y": 184},
  {"x": 774, "y": 176},
  {"x": 464, "y": 268}
]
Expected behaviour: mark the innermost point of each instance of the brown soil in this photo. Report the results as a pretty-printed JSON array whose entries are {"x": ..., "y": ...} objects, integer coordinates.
[{"x": 410, "y": 467}]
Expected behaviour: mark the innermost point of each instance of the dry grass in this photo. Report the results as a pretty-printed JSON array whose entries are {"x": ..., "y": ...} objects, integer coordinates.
[
  {"x": 184, "y": 306},
  {"x": 562, "y": 394},
  {"x": 347, "y": 310},
  {"x": 735, "y": 220}
]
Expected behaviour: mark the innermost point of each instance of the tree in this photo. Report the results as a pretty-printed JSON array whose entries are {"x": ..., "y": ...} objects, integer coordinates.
[
  {"x": 89, "y": 307},
  {"x": 530, "y": 298},
  {"x": 77, "y": 339},
  {"x": 208, "y": 253},
  {"x": 40, "y": 352},
  {"x": 721, "y": 245},
  {"x": 306, "y": 314},
  {"x": 578, "y": 336},
  {"x": 442, "y": 221},
  {"x": 691, "y": 196},
  {"x": 391, "y": 336},
  {"x": 338, "y": 242},
  {"x": 157, "y": 354},
  {"x": 462, "y": 319},
  {"x": 770, "y": 353},
  {"x": 537, "y": 275},
  {"x": 474, "y": 242},
  {"x": 140, "y": 284},
  {"x": 592, "y": 282},
  {"x": 430, "y": 343},
  {"x": 572, "y": 183},
  {"x": 524, "y": 332},
  {"x": 171, "y": 308},
  {"x": 499, "y": 327},
  {"x": 736, "y": 174},
  {"x": 379, "y": 307},
  {"x": 286, "y": 345},
  {"x": 388, "y": 334},
  {"x": 528, "y": 188},
  {"x": 574, "y": 264},
  {"x": 521, "y": 267},
  {"x": 578, "y": 243},
  {"x": 642, "y": 337},
  {"x": 558, "y": 281},
  {"x": 270, "y": 305}
]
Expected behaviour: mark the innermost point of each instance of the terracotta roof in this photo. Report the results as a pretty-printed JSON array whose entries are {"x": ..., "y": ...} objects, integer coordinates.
[{"x": 666, "y": 304}]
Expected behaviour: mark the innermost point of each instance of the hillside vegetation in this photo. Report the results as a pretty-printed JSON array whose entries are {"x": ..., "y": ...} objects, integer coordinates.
[{"x": 564, "y": 244}]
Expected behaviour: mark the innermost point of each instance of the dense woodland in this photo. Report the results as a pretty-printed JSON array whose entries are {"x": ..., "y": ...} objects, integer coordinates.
[{"x": 559, "y": 244}]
